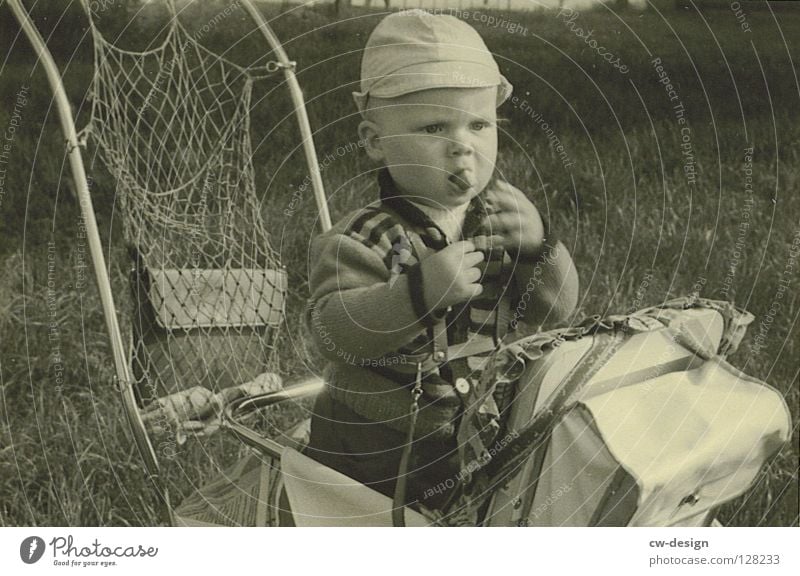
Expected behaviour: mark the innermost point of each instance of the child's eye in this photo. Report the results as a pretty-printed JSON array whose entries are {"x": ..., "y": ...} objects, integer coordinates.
[
  {"x": 433, "y": 128},
  {"x": 480, "y": 125}
]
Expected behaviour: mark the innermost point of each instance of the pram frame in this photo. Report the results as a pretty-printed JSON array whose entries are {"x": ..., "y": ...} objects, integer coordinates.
[
  {"x": 122, "y": 377},
  {"x": 123, "y": 380}
]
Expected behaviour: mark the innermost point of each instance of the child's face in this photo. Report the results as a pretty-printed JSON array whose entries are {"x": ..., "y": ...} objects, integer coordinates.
[{"x": 440, "y": 145}]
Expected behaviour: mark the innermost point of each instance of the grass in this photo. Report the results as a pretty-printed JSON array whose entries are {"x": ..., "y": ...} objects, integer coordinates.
[{"x": 625, "y": 209}]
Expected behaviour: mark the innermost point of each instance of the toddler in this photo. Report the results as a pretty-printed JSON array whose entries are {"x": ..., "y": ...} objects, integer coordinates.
[{"x": 410, "y": 294}]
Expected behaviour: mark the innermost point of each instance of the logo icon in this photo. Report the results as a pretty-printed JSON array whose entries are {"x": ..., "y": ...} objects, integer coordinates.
[{"x": 31, "y": 550}]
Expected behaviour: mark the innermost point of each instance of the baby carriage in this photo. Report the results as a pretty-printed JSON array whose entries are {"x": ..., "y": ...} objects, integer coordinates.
[
  {"x": 208, "y": 294},
  {"x": 628, "y": 420}
]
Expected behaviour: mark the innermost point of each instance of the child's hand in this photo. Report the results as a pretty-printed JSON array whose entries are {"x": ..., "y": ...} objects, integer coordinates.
[
  {"x": 512, "y": 216},
  {"x": 451, "y": 276}
]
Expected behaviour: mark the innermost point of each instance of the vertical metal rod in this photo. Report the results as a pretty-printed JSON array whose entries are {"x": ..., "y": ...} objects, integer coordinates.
[
  {"x": 300, "y": 110},
  {"x": 95, "y": 248}
]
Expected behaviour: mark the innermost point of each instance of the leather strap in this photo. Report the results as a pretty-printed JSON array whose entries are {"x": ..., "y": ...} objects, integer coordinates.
[
  {"x": 590, "y": 363},
  {"x": 535, "y": 436},
  {"x": 407, "y": 363},
  {"x": 399, "y": 500}
]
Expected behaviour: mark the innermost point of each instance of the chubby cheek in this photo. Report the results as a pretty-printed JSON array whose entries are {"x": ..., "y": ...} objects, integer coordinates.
[
  {"x": 414, "y": 149},
  {"x": 486, "y": 163},
  {"x": 416, "y": 178},
  {"x": 487, "y": 151},
  {"x": 421, "y": 163}
]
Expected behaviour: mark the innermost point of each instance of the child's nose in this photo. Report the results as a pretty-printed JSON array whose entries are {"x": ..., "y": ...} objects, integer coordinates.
[{"x": 460, "y": 145}]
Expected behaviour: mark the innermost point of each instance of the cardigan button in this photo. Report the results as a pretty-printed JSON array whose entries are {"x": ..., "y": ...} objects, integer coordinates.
[
  {"x": 439, "y": 355},
  {"x": 462, "y": 385}
]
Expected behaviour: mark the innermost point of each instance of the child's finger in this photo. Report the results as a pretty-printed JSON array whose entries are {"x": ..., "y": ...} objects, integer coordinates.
[
  {"x": 477, "y": 290},
  {"x": 503, "y": 222},
  {"x": 488, "y": 243},
  {"x": 472, "y": 275},
  {"x": 472, "y": 259},
  {"x": 503, "y": 196},
  {"x": 465, "y": 246}
]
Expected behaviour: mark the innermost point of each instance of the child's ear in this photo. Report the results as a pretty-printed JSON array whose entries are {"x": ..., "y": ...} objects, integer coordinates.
[{"x": 369, "y": 133}]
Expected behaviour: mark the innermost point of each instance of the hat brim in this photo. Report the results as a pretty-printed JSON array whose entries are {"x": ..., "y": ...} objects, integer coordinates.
[{"x": 430, "y": 75}]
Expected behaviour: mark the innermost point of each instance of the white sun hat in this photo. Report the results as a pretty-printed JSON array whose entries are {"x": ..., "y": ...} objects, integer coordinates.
[{"x": 414, "y": 50}]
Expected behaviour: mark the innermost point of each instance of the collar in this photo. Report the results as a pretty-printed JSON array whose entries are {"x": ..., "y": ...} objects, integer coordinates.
[{"x": 393, "y": 198}]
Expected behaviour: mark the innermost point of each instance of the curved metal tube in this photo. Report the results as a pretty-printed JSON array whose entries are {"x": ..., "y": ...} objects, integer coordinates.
[
  {"x": 95, "y": 249},
  {"x": 299, "y": 108},
  {"x": 242, "y": 406}
]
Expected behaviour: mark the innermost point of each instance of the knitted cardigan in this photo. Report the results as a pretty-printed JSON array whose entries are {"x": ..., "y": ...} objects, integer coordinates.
[{"x": 367, "y": 316}]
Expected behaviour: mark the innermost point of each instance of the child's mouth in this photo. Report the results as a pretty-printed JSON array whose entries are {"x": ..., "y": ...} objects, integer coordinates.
[{"x": 462, "y": 179}]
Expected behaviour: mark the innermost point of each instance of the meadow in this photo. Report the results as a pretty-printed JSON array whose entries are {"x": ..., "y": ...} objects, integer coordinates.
[{"x": 677, "y": 176}]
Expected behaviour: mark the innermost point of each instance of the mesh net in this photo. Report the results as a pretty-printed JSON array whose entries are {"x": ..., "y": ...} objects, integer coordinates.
[{"x": 173, "y": 128}]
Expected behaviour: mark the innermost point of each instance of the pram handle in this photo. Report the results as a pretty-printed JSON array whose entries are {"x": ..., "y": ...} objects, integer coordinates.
[{"x": 240, "y": 407}]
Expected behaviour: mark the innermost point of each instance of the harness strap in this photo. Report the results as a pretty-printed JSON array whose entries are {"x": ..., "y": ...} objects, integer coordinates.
[
  {"x": 407, "y": 363},
  {"x": 399, "y": 500},
  {"x": 437, "y": 329},
  {"x": 441, "y": 351},
  {"x": 608, "y": 335},
  {"x": 592, "y": 361},
  {"x": 502, "y": 313}
]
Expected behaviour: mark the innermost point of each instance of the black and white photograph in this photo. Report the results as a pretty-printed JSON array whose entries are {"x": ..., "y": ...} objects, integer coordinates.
[{"x": 399, "y": 263}]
